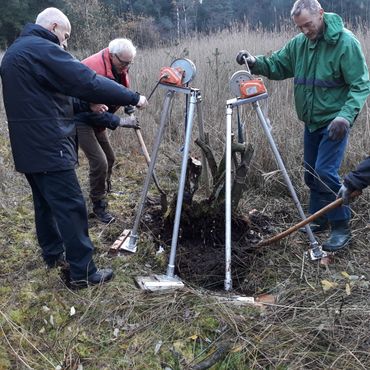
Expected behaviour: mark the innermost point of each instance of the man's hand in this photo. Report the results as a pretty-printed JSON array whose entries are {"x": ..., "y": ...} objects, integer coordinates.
[
  {"x": 98, "y": 108},
  {"x": 344, "y": 193},
  {"x": 245, "y": 55},
  {"x": 129, "y": 122},
  {"x": 338, "y": 128},
  {"x": 143, "y": 103}
]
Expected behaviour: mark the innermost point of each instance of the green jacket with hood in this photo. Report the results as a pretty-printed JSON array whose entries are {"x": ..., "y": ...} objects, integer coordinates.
[{"x": 331, "y": 78}]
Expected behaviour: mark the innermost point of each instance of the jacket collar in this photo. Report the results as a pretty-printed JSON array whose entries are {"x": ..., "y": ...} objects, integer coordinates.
[
  {"x": 333, "y": 27},
  {"x": 31, "y": 29}
]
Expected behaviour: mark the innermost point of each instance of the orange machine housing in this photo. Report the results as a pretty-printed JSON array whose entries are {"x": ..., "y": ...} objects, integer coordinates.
[
  {"x": 172, "y": 76},
  {"x": 252, "y": 88}
]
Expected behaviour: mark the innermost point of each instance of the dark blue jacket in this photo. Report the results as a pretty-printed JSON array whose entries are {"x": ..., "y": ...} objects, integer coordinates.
[
  {"x": 39, "y": 78},
  {"x": 360, "y": 177}
]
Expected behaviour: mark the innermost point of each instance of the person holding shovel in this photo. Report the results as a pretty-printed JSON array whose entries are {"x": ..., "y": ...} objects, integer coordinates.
[
  {"x": 39, "y": 79},
  {"x": 358, "y": 180},
  {"x": 114, "y": 63},
  {"x": 331, "y": 84}
]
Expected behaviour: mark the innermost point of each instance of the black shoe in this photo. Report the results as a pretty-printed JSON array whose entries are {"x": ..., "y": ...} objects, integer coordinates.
[
  {"x": 339, "y": 237},
  {"x": 101, "y": 276},
  {"x": 100, "y": 212},
  {"x": 318, "y": 226}
]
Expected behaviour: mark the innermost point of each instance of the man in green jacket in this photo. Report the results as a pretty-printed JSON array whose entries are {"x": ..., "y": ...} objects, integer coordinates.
[{"x": 331, "y": 84}]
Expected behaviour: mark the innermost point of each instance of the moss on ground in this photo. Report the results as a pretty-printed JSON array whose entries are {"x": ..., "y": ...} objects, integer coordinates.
[{"x": 321, "y": 318}]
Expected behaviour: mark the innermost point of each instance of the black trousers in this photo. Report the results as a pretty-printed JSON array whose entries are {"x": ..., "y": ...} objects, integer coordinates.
[{"x": 61, "y": 220}]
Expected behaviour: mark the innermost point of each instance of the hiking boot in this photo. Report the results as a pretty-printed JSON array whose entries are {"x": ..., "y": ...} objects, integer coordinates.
[
  {"x": 339, "y": 237},
  {"x": 100, "y": 211},
  {"x": 101, "y": 276},
  {"x": 318, "y": 226}
]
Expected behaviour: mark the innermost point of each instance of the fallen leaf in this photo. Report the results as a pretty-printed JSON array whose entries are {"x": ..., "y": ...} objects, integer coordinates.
[
  {"x": 158, "y": 347},
  {"x": 348, "y": 289},
  {"x": 327, "y": 285},
  {"x": 266, "y": 298},
  {"x": 72, "y": 312},
  {"x": 345, "y": 274}
]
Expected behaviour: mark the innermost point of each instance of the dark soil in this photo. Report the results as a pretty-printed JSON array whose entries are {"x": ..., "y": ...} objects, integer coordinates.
[{"x": 200, "y": 257}]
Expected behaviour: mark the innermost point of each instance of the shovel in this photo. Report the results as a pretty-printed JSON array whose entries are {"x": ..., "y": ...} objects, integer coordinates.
[{"x": 322, "y": 211}]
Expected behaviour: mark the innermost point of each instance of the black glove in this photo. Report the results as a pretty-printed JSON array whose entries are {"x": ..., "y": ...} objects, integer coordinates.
[
  {"x": 338, "y": 128},
  {"x": 243, "y": 56},
  {"x": 344, "y": 193},
  {"x": 129, "y": 122},
  {"x": 129, "y": 109}
]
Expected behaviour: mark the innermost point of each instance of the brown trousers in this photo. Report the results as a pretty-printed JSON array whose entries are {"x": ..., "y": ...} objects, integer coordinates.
[{"x": 100, "y": 155}]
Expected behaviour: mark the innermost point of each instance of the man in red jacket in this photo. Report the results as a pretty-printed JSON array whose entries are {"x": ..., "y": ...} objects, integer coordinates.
[{"x": 113, "y": 62}]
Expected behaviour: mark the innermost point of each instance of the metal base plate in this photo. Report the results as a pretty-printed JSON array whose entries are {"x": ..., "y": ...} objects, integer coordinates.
[
  {"x": 236, "y": 79},
  {"x": 316, "y": 253},
  {"x": 155, "y": 283},
  {"x": 123, "y": 243},
  {"x": 188, "y": 66}
]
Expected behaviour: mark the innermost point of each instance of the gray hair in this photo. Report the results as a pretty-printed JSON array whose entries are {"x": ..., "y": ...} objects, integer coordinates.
[
  {"x": 52, "y": 15},
  {"x": 313, "y": 6},
  {"x": 119, "y": 46}
]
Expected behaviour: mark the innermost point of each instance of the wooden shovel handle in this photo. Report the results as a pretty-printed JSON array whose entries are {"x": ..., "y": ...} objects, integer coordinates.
[{"x": 309, "y": 219}]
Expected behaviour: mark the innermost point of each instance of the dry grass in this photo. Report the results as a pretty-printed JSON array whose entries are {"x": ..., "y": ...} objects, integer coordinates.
[{"x": 314, "y": 325}]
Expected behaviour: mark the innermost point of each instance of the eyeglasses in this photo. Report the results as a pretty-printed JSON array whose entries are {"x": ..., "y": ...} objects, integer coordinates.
[{"x": 122, "y": 62}]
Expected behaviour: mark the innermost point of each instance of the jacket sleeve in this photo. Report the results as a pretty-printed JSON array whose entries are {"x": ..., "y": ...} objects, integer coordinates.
[
  {"x": 62, "y": 72},
  {"x": 108, "y": 120},
  {"x": 360, "y": 177},
  {"x": 356, "y": 76},
  {"x": 80, "y": 106},
  {"x": 278, "y": 66}
]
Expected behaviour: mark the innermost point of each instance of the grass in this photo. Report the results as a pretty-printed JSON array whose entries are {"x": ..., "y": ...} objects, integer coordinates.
[{"x": 321, "y": 317}]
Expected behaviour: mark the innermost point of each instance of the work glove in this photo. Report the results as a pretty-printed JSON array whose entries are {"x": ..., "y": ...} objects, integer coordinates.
[
  {"x": 129, "y": 122},
  {"x": 129, "y": 109},
  {"x": 338, "y": 128},
  {"x": 245, "y": 55},
  {"x": 344, "y": 193},
  {"x": 143, "y": 102}
]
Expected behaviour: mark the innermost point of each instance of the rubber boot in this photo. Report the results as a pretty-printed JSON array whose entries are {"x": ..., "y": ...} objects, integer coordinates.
[
  {"x": 318, "y": 226},
  {"x": 339, "y": 236},
  {"x": 100, "y": 211}
]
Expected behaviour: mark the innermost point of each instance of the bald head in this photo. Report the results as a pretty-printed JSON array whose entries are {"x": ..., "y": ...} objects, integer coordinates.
[
  {"x": 56, "y": 22},
  {"x": 52, "y": 15}
]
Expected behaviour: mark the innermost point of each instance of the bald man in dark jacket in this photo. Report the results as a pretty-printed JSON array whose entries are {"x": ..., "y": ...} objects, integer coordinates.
[{"x": 39, "y": 79}]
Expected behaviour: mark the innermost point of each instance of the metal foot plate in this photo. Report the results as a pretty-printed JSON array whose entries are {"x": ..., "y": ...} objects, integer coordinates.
[{"x": 156, "y": 283}]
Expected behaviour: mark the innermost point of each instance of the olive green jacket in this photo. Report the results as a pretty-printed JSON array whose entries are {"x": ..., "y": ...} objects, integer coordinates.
[{"x": 331, "y": 78}]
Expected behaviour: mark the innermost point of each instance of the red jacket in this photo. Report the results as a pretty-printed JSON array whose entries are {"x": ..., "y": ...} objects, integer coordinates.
[{"x": 102, "y": 65}]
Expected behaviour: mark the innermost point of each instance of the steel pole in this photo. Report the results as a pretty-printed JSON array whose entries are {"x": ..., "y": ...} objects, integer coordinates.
[
  {"x": 180, "y": 193},
  {"x": 281, "y": 165},
  {"x": 228, "y": 281},
  {"x": 158, "y": 140}
]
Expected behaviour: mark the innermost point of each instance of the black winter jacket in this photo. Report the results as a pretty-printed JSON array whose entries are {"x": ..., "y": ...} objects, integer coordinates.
[
  {"x": 39, "y": 78},
  {"x": 360, "y": 177}
]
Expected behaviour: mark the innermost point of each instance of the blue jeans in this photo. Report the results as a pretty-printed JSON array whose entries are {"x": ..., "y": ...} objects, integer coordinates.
[
  {"x": 61, "y": 220},
  {"x": 322, "y": 160}
]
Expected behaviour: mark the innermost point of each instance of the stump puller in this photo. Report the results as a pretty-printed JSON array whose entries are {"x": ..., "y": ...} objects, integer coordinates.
[{"x": 248, "y": 89}]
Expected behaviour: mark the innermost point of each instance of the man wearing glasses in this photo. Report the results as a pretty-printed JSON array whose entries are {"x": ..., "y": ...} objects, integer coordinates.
[{"x": 112, "y": 62}]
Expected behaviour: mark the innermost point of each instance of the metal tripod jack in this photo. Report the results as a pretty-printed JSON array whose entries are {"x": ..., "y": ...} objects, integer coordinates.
[
  {"x": 244, "y": 81},
  {"x": 168, "y": 281}
]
